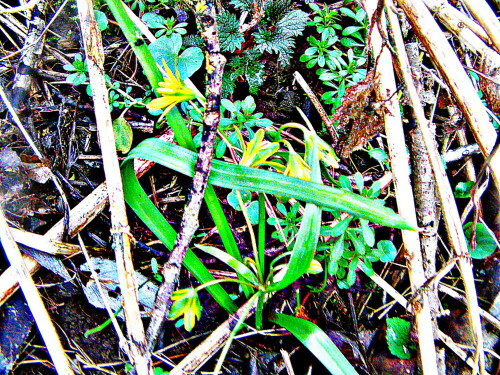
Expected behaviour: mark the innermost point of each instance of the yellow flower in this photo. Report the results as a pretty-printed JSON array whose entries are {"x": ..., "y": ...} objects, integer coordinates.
[
  {"x": 297, "y": 167},
  {"x": 187, "y": 304},
  {"x": 173, "y": 91},
  {"x": 257, "y": 151}
]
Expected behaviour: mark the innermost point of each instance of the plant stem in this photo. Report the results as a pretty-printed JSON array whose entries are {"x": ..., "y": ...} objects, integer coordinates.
[{"x": 252, "y": 235}]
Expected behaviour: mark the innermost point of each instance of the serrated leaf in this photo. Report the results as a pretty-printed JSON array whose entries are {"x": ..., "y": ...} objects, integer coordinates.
[
  {"x": 229, "y": 33},
  {"x": 293, "y": 23},
  {"x": 123, "y": 135}
]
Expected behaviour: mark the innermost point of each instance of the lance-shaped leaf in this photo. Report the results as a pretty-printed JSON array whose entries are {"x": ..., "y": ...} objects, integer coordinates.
[{"x": 245, "y": 178}]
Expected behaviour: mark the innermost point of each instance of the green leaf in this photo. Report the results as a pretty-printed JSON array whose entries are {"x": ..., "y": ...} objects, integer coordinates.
[
  {"x": 351, "y": 29},
  {"x": 238, "y": 266},
  {"x": 166, "y": 48},
  {"x": 388, "y": 250},
  {"x": 398, "y": 338},
  {"x": 378, "y": 154},
  {"x": 485, "y": 241},
  {"x": 245, "y": 178},
  {"x": 101, "y": 19},
  {"x": 229, "y": 32},
  {"x": 464, "y": 189},
  {"x": 307, "y": 236},
  {"x": 123, "y": 134},
  {"x": 368, "y": 233},
  {"x": 338, "y": 229},
  {"x": 293, "y": 23},
  {"x": 153, "y": 20},
  {"x": 337, "y": 249},
  {"x": 232, "y": 199},
  {"x": 317, "y": 342},
  {"x": 253, "y": 212},
  {"x": 348, "y": 42}
]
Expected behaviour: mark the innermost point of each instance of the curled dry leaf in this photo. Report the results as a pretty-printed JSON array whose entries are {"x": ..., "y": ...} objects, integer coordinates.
[{"x": 360, "y": 116}]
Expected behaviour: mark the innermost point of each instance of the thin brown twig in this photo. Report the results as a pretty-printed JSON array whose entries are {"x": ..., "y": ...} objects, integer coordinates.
[
  {"x": 91, "y": 36},
  {"x": 206, "y": 19},
  {"x": 34, "y": 300}
]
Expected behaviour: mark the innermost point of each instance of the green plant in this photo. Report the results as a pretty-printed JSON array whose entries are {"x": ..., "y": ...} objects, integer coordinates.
[
  {"x": 352, "y": 247},
  {"x": 278, "y": 25},
  {"x": 166, "y": 26},
  {"x": 398, "y": 338},
  {"x": 463, "y": 189},
  {"x": 278, "y": 28},
  {"x": 484, "y": 243},
  {"x": 247, "y": 66},
  {"x": 139, "y": 4},
  {"x": 242, "y": 116},
  {"x": 338, "y": 69},
  {"x": 289, "y": 224},
  {"x": 340, "y": 74},
  {"x": 229, "y": 32},
  {"x": 80, "y": 69},
  {"x": 256, "y": 276},
  {"x": 325, "y": 20},
  {"x": 319, "y": 52}
]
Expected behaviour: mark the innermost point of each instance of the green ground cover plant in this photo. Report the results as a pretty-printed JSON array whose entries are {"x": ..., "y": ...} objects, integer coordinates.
[{"x": 293, "y": 175}]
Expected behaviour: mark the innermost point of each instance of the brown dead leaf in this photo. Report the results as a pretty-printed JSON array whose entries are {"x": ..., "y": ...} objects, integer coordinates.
[{"x": 360, "y": 116}]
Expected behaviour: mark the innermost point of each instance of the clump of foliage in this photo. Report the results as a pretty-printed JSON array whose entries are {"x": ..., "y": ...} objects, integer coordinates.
[
  {"x": 338, "y": 52},
  {"x": 275, "y": 32}
]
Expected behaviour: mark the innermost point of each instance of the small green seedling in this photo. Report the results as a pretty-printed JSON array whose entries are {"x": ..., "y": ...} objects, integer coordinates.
[{"x": 80, "y": 69}]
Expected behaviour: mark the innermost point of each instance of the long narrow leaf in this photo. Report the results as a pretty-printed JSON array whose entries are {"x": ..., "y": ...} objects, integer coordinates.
[
  {"x": 245, "y": 178},
  {"x": 307, "y": 236},
  {"x": 154, "y": 220},
  {"x": 232, "y": 262},
  {"x": 317, "y": 342},
  {"x": 176, "y": 122}
]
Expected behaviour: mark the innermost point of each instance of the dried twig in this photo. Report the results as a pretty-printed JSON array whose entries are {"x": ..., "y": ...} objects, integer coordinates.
[
  {"x": 322, "y": 113},
  {"x": 486, "y": 18},
  {"x": 213, "y": 343},
  {"x": 419, "y": 16},
  {"x": 404, "y": 194},
  {"x": 450, "y": 68},
  {"x": 91, "y": 37},
  {"x": 35, "y": 303},
  {"x": 206, "y": 18}
]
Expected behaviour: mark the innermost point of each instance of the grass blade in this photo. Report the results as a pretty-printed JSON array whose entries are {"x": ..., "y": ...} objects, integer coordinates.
[
  {"x": 245, "y": 178},
  {"x": 317, "y": 342},
  {"x": 154, "y": 220},
  {"x": 307, "y": 236}
]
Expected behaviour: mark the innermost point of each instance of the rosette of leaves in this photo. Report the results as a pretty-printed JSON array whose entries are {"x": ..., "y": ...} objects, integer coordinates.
[
  {"x": 278, "y": 28},
  {"x": 166, "y": 26},
  {"x": 276, "y": 31}
]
